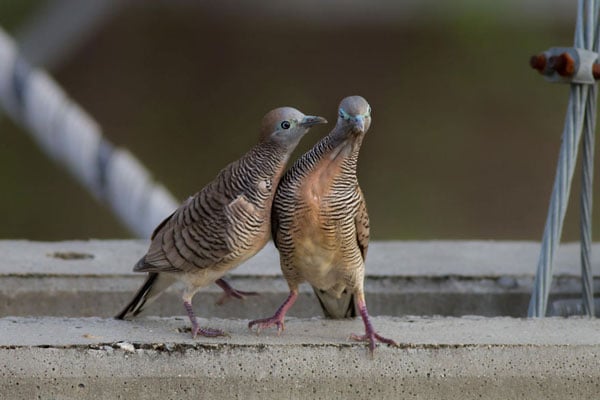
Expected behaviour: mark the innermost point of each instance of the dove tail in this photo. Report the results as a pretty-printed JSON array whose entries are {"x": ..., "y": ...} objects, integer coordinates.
[
  {"x": 153, "y": 287},
  {"x": 334, "y": 307}
]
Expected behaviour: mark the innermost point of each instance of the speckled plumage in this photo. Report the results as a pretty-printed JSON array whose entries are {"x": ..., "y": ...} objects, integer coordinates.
[
  {"x": 226, "y": 222},
  {"x": 320, "y": 222}
]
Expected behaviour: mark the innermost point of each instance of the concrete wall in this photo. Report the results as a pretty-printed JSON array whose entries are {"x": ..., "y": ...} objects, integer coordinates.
[
  {"x": 67, "y": 356},
  {"x": 439, "y": 358},
  {"x": 94, "y": 278}
]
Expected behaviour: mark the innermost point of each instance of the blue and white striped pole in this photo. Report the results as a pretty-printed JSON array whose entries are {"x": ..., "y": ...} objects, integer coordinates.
[{"x": 70, "y": 136}]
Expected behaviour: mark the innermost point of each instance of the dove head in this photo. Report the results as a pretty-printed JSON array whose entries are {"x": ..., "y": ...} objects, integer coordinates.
[
  {"x": 286, "y": 126},
  {"x": 354, "y": 115}
]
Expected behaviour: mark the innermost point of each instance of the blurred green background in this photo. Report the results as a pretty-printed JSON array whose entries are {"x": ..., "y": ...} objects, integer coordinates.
[{"x": 464, "y": 140}]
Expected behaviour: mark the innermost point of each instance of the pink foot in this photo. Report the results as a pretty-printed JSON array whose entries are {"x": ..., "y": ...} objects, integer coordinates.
[
  {"x": 370, "y": 335},
  {"x": 277, "y": 319},
  {"x": 207, "y": 332},
  {"x": 230, "y": 292},
  {"x": 264, "y": 323}
]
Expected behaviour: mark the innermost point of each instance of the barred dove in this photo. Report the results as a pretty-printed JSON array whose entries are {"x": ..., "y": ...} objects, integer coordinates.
[
  {"x": 320, "y": 224},
  {"x": 224, "y": 224}
]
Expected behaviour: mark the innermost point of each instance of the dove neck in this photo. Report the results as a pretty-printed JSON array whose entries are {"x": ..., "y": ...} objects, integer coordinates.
[
  {"x": 342, "y": 146},
  {"x": 267, "y": 159}
]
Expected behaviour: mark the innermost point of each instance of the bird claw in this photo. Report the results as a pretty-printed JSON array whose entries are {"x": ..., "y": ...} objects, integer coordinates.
[
  {"x": 277, "y": 318},
  {"x": 234, "y": 293},
  {"x": 207, "y": 332},
  {"x": 230, "y": 292},
  {"x": 267, "y": 323},
  {"x": 372, "y": 338}
]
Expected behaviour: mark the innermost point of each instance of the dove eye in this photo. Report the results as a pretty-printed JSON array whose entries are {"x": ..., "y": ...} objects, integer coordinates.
[{"x": 285, "y": 125}]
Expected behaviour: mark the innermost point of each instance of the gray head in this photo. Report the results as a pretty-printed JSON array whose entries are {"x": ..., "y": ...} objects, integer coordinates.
[
  {"x": 286, "y": 126},
  {"x": 354, "y": 113}
]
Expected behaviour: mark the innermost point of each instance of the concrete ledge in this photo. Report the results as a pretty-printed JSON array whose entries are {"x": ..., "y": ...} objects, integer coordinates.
[
  {"x": 151, "y": 358},
  {"x": 154, "y": 358},
  {"x": 94, "y": 278}
]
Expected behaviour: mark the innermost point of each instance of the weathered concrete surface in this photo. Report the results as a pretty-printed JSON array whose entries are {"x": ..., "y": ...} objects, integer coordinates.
[
  {"x": 449, "y": 358},
  {"x": 398, "y": 258},
  {"x": 154, "y": 358},
  {"x": 94, "y": 278}
]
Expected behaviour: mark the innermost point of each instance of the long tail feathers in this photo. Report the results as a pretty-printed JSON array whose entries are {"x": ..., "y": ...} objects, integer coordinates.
[
  {"x": 336, "y": 308},
  {"x": 152, "y": 288}
]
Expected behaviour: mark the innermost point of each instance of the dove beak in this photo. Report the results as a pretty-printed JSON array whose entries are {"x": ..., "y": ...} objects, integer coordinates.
[
  {"x": 310, "y": 120},
  {"x": 359, "y": 123}
]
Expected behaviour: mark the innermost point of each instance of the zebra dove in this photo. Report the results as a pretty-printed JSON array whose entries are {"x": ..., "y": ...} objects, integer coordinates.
[
  {"x": 320, "y": 224},
  {"x": 224, "y": 224}
]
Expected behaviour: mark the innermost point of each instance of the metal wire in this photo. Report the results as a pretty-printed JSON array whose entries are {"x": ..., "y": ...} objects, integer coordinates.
[
  {"x": 589, "y": 128},
  {"x": 587, "y": 278},
  {"x": 581, "y": 115}
]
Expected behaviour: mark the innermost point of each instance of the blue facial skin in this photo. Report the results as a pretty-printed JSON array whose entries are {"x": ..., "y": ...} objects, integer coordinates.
[{"x": 358, "y": 121}]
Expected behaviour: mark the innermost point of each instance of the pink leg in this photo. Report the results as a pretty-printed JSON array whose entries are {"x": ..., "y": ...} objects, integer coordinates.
[
  {"x": 208, "y": 332},
  {"x": 231, "y": 292},
  {"x": 279, "y": 316},
  {"x": 370, "y": 334}
]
